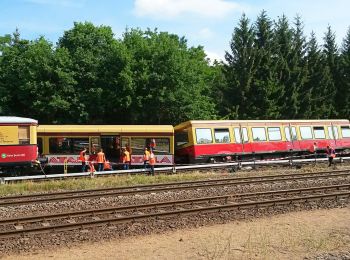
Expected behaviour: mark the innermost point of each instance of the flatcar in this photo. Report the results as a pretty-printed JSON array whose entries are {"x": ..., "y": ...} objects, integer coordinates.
[
  {"x": 219, "y": 140},
  {"x": 18, "y": 144},
  {"x": 61, "y": 144}
]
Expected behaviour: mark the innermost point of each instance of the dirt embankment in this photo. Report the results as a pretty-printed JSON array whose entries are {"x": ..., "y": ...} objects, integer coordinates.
[{"x": 312, "y": 234}]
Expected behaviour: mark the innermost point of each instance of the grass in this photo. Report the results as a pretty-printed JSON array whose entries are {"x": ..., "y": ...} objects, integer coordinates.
[
  {"x": 27, "y": 187},
  {"x": 276, "y": 239}
]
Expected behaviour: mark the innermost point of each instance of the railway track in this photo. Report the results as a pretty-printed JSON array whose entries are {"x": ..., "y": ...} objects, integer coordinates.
[
  {"x": 132, "y": 190},
  {"x": 114, "y": 215}
]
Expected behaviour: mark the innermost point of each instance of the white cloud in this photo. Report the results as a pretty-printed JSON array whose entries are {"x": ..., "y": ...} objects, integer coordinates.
[
  {"x": 167, "y": 9},
  {"x": 214, "y": 56}
]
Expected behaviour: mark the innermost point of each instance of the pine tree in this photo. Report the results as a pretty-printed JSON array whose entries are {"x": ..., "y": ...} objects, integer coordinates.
[
  {"x": 313, "y": 95},
  {"x": 330, "y": 51},
  {"x": 298, "y": 65},
  {"x": 284, "y": 59},
  {"x": 240, "y": 71},
  {"x": 264, "y": 81},
  {"x": 343, "y": 92}
]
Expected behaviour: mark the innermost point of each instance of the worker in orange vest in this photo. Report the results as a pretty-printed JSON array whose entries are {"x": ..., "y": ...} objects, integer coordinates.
[
  {"x": 100, "y": 160},
  {"x": 152, "y": 162},
  {"x": 82, "y": 158},
  {"x": 146, "y": 156},
  {"x": 126, "y": 159}
]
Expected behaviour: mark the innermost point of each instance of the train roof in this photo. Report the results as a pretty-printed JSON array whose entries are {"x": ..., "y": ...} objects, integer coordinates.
[
  {"x": 105, "y": 129},
  {"x": 17, "y": 120},
  {"x": 228, "y": 122}
]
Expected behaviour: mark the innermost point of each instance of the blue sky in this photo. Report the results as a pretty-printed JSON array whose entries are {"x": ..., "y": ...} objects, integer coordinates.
[{"x": 203, "y": 22}]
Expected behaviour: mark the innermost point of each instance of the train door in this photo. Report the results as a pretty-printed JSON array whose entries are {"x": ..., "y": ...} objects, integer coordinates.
[
  {"x": 242, "y": 139},
  {"x": 111, "y": 147},
  {"x": 333, "y": 135},
  {"x": 292, "y": 142}
]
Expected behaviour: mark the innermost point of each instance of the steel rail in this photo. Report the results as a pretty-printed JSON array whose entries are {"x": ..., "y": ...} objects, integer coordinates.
[
  {"x": 120, "y": 191},
  {"x": 176, "y": 212},
  {"x": 173, "y": 168},
  {"x": 94, "y": 212}
]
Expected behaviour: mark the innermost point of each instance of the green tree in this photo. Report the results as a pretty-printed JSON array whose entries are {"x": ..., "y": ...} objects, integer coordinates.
[
  {"x": 267, "y": 90},
  {"x": 343, "y": 92},
  {"x": 100, "y": 65},
  {"x": 313, "y": 94},
  {"x": 330, "y": 51},
  {"x": 285, "y": 61},
  {"x": 171, "y": 83},
  {"x": 240, "y": 72}
]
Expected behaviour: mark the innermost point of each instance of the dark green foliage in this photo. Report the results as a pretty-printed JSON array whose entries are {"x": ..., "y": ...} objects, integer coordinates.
[
  {"x": 273, "y": 73},
  {"x": 150, "y": 77}
]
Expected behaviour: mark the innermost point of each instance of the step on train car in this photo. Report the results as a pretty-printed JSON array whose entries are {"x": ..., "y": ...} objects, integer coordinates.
[
  {"x": 221, "y": 140},
  {"x": 63, "y": 143},
  {"x": 18, "y": 144}
]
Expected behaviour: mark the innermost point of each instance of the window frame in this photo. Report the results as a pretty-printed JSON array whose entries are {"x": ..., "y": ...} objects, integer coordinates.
[
  {"x": 301, "y": 133},
  {"x": 71, "y": 148},
  {"x": 314, "y": 134},
  {"x": 263, "y": 140},
  {"x": 330, "y": 130},
  {"x": 279, "y": 131},
  {"x": 228, "y": 132},
  {"x": 204, "y": 128},
  {"x": 341, "y": 130},
  {"x": 288, "y": 130},
  {"x": 242, "y": 132}
]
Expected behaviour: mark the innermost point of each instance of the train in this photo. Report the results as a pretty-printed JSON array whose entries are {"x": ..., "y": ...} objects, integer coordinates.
[
  {"x": 18, "y": 144},
  {"x": 221, "y": 140},
  {"x": 195, "y": 141}
]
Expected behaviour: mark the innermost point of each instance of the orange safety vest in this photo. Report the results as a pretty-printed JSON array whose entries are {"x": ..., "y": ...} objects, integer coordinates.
[
  {"x": 82, "y": 156},
  {"x": 146, "y": 155},
  {"x": 126, "y": 156},
  {"x": 100, "y": 157},
  {"x": 152, "y": 159}
]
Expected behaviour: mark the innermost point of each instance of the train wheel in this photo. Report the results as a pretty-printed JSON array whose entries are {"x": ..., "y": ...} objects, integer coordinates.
[{"x": 212, "y": 160}]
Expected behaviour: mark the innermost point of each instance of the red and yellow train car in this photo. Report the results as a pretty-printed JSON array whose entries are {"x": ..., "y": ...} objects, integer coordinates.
[
  {"x": 18, "y": 143},
  {"x": 214, "y": 140},
  {"x": 60, "y": 143}
]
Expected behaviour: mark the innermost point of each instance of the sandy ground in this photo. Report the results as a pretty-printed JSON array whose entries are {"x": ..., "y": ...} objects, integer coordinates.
[{"x": 290, "y": 236}]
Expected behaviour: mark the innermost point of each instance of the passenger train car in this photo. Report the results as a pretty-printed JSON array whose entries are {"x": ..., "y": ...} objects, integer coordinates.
[
  {"x": 61, "y": 144},
  {"x": 18, "y": 144},
  {"x": 218, "y": 140}
]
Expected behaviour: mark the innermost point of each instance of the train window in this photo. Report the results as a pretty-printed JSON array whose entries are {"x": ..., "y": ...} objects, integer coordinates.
[
  {"x": 292, "y": 130},
  {"x": 245, "y": 135},
  {"x": 162, "y": 145},
  {"x": 259, "y": 134},
  {"x": 274, "y": 133},
  {"x": 181, "y": 138},
  {"x": 305, "y": 132},
  {"x": 319, "y": 132},
  {"x": 40, "y": 145},
  {"x": 95, "y": 144},
  {"x": 345, "y": 131},
  {"x": 333, "y": 134},
  {"x": 222, "y": 135},
  {"x": 238, "y": 135},
  {"x": 23, "y": 135},
  {"x": 204, "y": 136},
  {"x": 138, "y": 145},
  {"x": 62, "y": 145}
]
